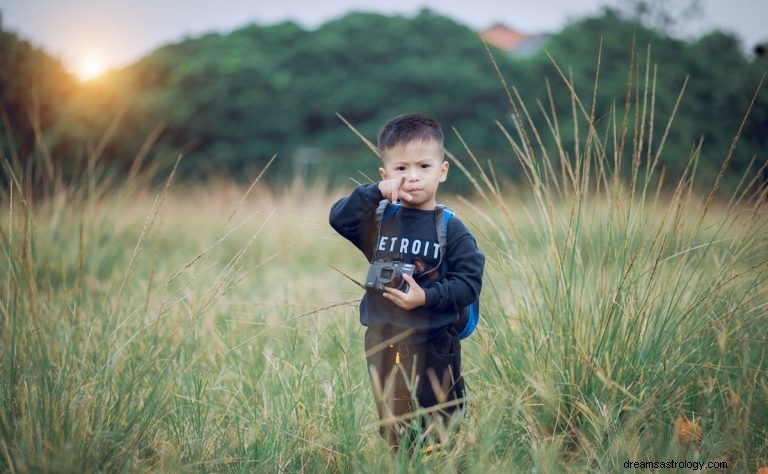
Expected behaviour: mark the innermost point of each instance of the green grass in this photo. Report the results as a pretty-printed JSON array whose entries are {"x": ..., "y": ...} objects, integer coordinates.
[{"x": 200, "y": 329}]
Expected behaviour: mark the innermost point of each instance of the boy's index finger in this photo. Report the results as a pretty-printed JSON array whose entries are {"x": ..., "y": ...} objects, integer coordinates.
[
  {"x": 392, "y": 193},
  {"x": 400, "y": 192}
]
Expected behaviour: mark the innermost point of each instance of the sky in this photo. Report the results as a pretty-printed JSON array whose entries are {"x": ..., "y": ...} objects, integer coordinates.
[{"x": 89, "y": 35}]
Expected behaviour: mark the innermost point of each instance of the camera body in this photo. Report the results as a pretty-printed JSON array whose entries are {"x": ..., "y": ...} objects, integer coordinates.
[{"x": 387, "y": 274}]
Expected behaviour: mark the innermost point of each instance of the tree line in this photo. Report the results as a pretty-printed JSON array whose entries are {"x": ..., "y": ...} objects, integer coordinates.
[{"x": 230, "y": 101}]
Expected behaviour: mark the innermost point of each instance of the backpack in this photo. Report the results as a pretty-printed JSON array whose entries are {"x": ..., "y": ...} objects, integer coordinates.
[{"x": 468, "y": 315}]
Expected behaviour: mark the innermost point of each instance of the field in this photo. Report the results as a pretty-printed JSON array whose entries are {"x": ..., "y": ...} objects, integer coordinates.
[{"x": 205, "y": 328}]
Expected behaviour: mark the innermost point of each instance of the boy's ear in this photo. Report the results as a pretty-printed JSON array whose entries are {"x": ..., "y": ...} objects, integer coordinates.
[
  {"x": 444, "y": 171},
  {"x": 383, "y": 173}
]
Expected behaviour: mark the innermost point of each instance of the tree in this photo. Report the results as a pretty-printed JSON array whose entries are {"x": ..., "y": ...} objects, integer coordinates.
[
  {"x": 33, "y": 88},
  {"x": 231, "y": 101}
]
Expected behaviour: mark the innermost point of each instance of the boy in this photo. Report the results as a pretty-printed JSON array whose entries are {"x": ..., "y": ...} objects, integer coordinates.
[{"x": 411, "y": 344}]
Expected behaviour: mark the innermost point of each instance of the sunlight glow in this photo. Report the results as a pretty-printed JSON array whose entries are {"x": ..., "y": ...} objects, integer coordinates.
[{"x": 90, "y": 67}]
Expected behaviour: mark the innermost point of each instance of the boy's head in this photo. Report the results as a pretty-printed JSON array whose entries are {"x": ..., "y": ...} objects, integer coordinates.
[
  {"x": 411, "y": 145},
  {"x": 408, "y": 128}
]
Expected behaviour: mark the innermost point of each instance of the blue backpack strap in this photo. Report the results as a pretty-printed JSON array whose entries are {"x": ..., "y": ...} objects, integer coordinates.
[
  {"x": 383, "y": 212},
  {"x": 442, "y": 217},
  {"x": 380, "y": 211},
  {"x": 472, "y": 315},
  {"x": 391, "y": 210},
  {"x": 469, "y": 315}
]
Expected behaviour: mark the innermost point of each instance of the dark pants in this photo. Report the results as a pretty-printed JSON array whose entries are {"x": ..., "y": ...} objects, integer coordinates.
[{"x": 411, "y": 372}]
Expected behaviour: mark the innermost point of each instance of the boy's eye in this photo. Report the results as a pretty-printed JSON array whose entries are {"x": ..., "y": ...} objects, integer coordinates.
[
  {"x": 400, "y": 168},
  {"x": 425, "y": 165}
]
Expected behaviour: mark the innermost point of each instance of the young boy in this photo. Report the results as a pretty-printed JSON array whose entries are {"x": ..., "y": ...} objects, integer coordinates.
[{"x": 412, "y": 348}]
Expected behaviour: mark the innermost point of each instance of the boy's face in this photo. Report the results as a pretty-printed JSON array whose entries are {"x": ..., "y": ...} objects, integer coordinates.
[{"x": 424, "y": 168}]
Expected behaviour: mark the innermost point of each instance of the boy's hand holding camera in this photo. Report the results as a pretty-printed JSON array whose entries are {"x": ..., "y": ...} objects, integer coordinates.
[{"x": 414, "y": 298}]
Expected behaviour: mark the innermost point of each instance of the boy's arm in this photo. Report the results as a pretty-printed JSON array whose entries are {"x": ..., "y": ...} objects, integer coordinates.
[
  {"x": 464, "y": 279},
  {"x": 353, "y": 216}
]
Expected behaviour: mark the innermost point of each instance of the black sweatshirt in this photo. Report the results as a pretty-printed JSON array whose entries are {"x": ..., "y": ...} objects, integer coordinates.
[{"x": 410, "y": 235}]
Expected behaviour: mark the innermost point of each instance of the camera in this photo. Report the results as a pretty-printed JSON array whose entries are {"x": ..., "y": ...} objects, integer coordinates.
[{"x": 387, "y": 274}]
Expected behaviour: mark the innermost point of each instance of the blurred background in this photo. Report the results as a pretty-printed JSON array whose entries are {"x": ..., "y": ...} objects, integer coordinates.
[{"x": 133, "y": 84}]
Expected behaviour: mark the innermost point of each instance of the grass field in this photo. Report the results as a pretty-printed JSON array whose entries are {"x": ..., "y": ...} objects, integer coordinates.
[{"x": 201, "y": 328}]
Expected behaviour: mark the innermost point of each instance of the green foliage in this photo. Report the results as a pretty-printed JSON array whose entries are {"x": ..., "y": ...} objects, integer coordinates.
[
  {"x": 720, "y": 87},
  {"x": 33, "y": 88},
  {"x": 231, "y": 101},
  {"x": 239, "y": 98}
]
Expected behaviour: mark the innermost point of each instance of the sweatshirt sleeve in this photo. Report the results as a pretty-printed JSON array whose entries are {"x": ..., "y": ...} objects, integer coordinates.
[
  {"x": 463, "y": 280},
  {"x": 354, "y": 217}
]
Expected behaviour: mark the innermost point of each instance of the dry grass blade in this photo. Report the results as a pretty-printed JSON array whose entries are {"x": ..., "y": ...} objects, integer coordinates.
[
  {"x": 515, "y": 113},
  {"x": 250, "y": 188},
  {"x": 147, "y": 227},
  {"x": 490, "y": 187},
  {"x": 144, "y": 150},
  {"x": 627, "y": 106},
  {"x": 550, "y": 171},
  {"x": 9, "y": 140},
  {"x": 15, "y": 179},
  {"x": 668, "y": 127},
  {"x": 367, "y": 142},
  {"x": 210, "y": 247},
  {"x": 218, "y": 288},
  {"x": 107, "y": 135},
  {"x": 527, "y": 165},
  {"x": 264, "y": 331},
  {"x": 42, "y": 146},
  {"x": 576, "y": 101},
  {"x": 639, "y": 142},
  {"x": 566, "y": 170},
  {"x": 731, "y": 149},
  {"x": 342, "y": 273},
  {"x": 480, "y": 169},
  {"x": 182, "y": 270}
]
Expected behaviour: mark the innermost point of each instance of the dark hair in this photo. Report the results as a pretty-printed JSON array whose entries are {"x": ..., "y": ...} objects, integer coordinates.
[{"x": 407, "y": 128}]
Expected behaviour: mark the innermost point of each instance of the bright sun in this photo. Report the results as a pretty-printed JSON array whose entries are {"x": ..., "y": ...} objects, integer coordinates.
[{"x": 90, "y": 68}]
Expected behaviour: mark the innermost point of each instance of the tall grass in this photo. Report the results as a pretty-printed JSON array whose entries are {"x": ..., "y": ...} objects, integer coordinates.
[
  {"x": 201, "y": 329},
  {"x": 621, "y": 310}
]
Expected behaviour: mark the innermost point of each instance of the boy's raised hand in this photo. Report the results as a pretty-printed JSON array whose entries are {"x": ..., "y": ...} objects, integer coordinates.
[
  {"x": 414, "y": 298},
  {"x": 392, "y": 189}
]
